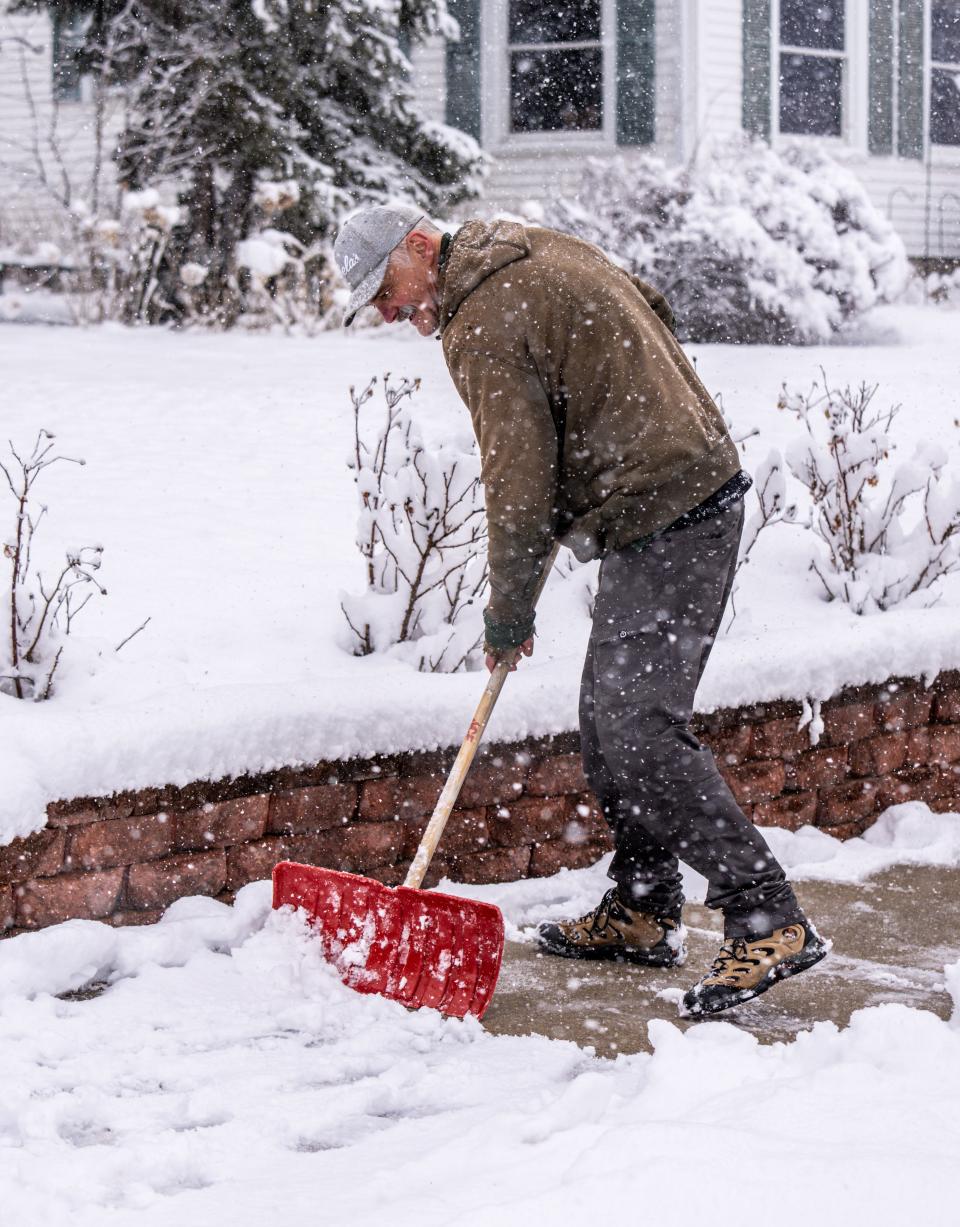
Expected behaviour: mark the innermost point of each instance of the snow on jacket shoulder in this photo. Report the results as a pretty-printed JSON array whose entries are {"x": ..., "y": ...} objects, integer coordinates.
[{"x": 592, "y": 424}]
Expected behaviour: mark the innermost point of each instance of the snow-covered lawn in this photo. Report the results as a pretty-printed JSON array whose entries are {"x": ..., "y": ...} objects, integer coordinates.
[
  {"x": 226, "y": 1076},
  {"x": 216, "y": 482}
]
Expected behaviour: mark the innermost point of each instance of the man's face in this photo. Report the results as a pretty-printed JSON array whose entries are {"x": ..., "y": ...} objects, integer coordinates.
[{"x": 409, "y": 288}]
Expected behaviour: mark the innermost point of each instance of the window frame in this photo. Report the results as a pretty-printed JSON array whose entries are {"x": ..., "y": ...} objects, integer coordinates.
[
  {"x": 854, "y": 84},
  {"x": 936, "y": 149},
  {"x": 495, "y": 76}
]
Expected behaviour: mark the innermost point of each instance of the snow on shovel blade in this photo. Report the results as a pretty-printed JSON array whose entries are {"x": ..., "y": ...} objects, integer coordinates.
[{"x": 414, "y": 946}]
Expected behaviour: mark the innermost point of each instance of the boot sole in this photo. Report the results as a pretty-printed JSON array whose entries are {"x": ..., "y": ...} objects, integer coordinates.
[
  {"x": 782, "y": 971},
  {"x": 613, "y": 955}
]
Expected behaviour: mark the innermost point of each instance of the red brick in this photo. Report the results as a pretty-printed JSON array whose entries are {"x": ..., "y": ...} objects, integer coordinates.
[
  {"x": 320, "y": 808},
  {"x": 587, "y": 823},
  {"x": 418, "y": 794},
  {"x": 755, "y": 781},
  {"x": 944, "y": 745},
  {"x": 220, "y": 823},
  {"x": 84, "y": 896},
  {"x": 389, "y": 875},
  {"x": 948, "y": 804},
  {"x": 367, "y": 845},
  {"x": 254, "y": 862},
  {"x": 379, "y": 799},
  {"x": 947, "y": 706},
  {"x": 493, "y": 783},
  {"x": 848, "y": 722},
  {"x": 60, "y": 814},
  {"x": 908, "y": 709},
  {"x": 820, "y": 768},
  {"x": 124, "y": 919},
  {"x": 879, "y": 755},
  {"x": 849, "y": 802},
  {"x": 556, "y": 776},
  {"x": 851, "y": 830},
  {"x": 916, "y": 784},
  {"x": 122, "y": 841},
  {"x": 39, "y": 855},
  {"x": 495, "y": 865},
  {"x": 732, "y": 746},
  {"x": 550, "y": 857},
  {"x": 466, "y": 831},
  {"x": 157, "y": 884},
  {"x": 529, "y": 819},
  {"x": 779, "y": 739},
  {"x": 791, "y": 812},
  {"x": 8, "y": 908},
  {"x": 918, "y": 748}
]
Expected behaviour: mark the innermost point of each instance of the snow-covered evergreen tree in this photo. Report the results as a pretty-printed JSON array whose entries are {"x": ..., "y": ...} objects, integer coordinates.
[{"x": 226, "y": 98}]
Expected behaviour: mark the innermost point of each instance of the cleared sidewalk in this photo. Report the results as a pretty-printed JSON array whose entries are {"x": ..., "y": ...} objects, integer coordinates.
[{"x": 892, "y": 936}]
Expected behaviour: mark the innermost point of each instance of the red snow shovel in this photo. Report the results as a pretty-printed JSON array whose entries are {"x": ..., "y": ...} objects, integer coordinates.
[{"x": 414, "y": 946}]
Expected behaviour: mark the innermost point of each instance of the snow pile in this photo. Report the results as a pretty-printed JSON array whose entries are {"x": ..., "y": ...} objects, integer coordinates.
[{"x": 238, "y": 1080}]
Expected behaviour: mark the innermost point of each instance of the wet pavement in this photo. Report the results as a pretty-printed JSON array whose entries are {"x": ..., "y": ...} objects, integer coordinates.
[{"x": 892, "y": 936}]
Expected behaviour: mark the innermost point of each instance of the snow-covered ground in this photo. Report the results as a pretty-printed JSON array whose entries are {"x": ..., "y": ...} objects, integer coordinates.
[
  {"x": 226, "y": 1075},
  {"x": 216, "y": 482}
]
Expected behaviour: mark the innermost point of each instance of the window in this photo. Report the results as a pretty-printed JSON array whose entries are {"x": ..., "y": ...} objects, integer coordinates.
[
  {"x": 945, "y": 72},
  {"x": 812, "y": 66},
  {"x": 556, "y": 65},
  {"x": 68, "y": 33}
]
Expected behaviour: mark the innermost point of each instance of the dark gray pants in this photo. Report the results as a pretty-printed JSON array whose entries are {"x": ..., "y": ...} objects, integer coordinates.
[{"x": 657, "y": 613}]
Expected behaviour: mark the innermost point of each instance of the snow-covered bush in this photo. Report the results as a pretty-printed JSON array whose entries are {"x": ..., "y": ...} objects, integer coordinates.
[
  {"x": 285, "y": 282},
  {"x": 120, "y": 261},
  {"x": 769, "y": 493},
  {"x": 939, "y": 286},
  {"x": 421, "y": 532},
  {"x": 39, "y": 613},
  {"x": 748, "y": 244},
  {"x": 890, "y": 535}
]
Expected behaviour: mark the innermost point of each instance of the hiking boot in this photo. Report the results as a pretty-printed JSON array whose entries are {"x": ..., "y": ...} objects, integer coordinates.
[
  {"x": 748, "y": 966},
  {"x": 615, "y": 931}
]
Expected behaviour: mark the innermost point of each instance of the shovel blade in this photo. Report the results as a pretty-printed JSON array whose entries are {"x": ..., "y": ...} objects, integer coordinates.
[{"x": 418, "y": 947}]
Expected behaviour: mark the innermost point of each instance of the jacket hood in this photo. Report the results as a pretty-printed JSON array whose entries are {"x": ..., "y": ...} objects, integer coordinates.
[{"x": 479, "y": 249}]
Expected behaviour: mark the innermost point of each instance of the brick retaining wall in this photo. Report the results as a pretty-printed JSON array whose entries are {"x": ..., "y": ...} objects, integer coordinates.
[{"x": 524, "y": 810}]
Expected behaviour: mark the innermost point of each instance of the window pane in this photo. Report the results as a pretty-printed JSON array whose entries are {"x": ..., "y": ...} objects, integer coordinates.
[
  {"x": 812, "y": 23},
  {"x": 945, "y": 31},
  {"x": 68, "y": 36},
  {"x": 945, "y": 106},
  {"x": 551, "y": 91},
  {"x": 811, "y": 94},
  {"x": 533, "y": 21}
]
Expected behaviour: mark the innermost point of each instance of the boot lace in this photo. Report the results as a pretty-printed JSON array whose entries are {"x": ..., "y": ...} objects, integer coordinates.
[
  {"x": 731, "y": 953},
  {"x": 599, "y": 918}
]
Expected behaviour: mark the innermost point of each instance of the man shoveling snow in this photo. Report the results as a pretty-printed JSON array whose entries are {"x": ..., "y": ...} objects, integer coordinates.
[{"x": 594, "y": 429}]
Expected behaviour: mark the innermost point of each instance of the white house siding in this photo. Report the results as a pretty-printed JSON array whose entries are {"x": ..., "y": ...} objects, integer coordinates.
[
  {"x": 430, "y": 76},
  {"x": 924, "y": 208},
  {"x": 46, "y": 150},
  {"x": 716, "y": 71}
]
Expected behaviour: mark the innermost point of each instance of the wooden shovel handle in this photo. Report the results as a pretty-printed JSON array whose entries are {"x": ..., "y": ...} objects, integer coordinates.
[{"x": 468, "y": 750}]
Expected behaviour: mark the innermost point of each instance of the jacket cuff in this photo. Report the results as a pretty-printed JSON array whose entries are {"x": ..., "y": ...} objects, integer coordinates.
[{"x": 503, "y": 635}]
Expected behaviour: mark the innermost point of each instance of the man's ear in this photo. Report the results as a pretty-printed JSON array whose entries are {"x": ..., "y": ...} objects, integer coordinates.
[{"x": 420, "y": 245}]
